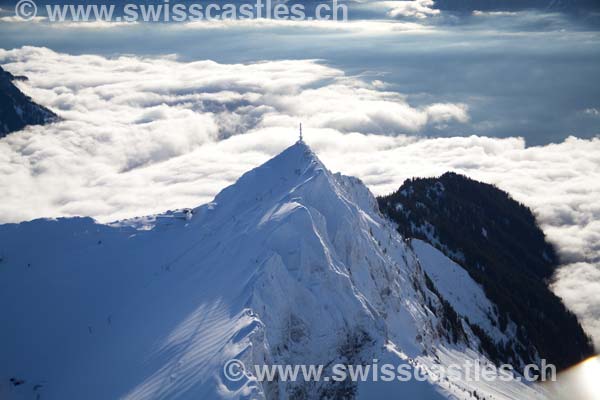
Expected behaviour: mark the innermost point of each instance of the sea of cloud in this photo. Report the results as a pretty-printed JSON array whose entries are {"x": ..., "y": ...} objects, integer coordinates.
[{"x": 142, "y": 135}]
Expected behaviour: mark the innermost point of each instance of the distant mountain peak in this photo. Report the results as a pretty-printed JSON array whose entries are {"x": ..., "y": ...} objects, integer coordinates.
[{"x": 17, "y": 110}]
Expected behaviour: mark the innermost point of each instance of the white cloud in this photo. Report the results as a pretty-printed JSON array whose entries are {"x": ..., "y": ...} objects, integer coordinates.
[
  {"x": 380, "y": 26},
  {"x": 478, "y": 13},
  {"x": 358, "y": 26},
  {"x": 18, "y": 20},
  {"x": 143, "y": 135},
  {"x": 125, "y": 113},
  {"x": 94, "y": 24},
  {"x": 579, "y": 285},
  {"x": 420, "y": 9}
]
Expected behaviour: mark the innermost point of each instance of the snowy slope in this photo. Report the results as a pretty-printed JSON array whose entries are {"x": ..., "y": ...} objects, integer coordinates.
[
  {"x": 456, "y": 286},
  {"x": 291, "y": 264}
]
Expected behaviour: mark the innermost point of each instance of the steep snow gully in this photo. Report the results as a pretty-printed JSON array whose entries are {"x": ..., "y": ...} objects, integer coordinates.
[{"x": 290, "y": 265}]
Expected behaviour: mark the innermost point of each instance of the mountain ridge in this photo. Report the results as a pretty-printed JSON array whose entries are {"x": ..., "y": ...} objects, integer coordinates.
[{"x": 290, "y": 265}]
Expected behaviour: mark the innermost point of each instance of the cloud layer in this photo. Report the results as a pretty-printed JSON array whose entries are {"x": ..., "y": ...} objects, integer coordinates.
[
  {"x": 417, "y": 9},
  {"x": 142, "y": 135},
  {"x": 126, "y": 113}
]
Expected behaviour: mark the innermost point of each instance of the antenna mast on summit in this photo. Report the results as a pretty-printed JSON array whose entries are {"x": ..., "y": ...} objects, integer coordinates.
[{"x": 300, "y": 132}]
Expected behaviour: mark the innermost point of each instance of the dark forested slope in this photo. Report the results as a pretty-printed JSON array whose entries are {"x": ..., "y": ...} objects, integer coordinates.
[
  {"x": 17, "y": 110},
  {"x": 497, "y": 240}
]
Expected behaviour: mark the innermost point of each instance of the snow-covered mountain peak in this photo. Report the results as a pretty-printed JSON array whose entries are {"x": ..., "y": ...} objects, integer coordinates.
[
  {"x": 289, "y": 265},
  {"x": 293, "y": 167}
]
